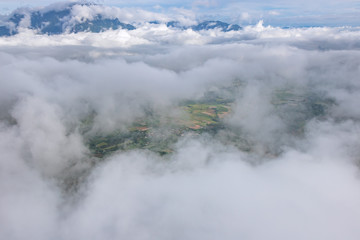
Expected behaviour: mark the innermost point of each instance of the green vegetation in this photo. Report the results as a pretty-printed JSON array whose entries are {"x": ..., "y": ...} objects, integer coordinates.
[
  {"x": 295, "y": 108},
  {"x": 203, "y": 115},
  {"x": 159, "y": 136},
  {"x": 159, "y": 132}
]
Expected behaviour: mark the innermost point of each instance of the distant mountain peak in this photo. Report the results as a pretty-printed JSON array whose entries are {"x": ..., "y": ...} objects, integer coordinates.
[
  {"x": 60, "y": 18},
  {"x": 225, "y": 27},
  {"x": 207, "y": 25}
]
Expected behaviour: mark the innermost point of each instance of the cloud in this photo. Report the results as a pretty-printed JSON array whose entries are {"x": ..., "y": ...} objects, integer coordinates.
[
  {"x": 285, "y": 165},
  {"x": 204, "y": 3},
  {"x": 274, "y": 13},
  {"x": 81, "y": 13},
  {"x": 224, "y": 198},
  {"x": 245, "y": 16}
]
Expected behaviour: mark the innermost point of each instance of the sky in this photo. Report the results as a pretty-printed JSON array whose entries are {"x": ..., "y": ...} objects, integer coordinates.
[{"x": 273, "y": 12}]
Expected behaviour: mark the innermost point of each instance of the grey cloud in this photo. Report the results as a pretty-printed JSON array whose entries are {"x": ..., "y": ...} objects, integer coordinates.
[{"x": 277, "y": 185}]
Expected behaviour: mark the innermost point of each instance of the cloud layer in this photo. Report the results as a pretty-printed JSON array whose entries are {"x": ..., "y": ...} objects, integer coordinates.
[{"x": 298, "y": 186}]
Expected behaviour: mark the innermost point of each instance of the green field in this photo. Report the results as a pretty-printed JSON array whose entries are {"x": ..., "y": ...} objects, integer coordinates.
[
  {"x": 159, "y": 132},
  {"x": 159, "y": 136}
]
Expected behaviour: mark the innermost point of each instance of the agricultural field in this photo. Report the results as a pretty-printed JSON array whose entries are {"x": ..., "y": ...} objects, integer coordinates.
[
  {"x": 296, "y": 107},
  {"x": 159, "y": 136},
  {"x": 159, "y": 132}
]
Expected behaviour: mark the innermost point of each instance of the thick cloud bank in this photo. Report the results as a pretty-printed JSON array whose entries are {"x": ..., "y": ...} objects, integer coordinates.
[
  {"x": 276, "y": 170},
  {"x": 151, "y": 35}
]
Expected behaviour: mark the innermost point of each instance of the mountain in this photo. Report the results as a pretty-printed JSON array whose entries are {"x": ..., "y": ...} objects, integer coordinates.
[
  {"x": 58, "y": 21},
  {"x": 64, "y": 19},
  {"x": 207, "y": 25},
  {"x": 100, "y": 24},
  {"x": 4, "y": 31},
  {"x": 51, "y": 22},
  {"x": 225, "y": 27}
]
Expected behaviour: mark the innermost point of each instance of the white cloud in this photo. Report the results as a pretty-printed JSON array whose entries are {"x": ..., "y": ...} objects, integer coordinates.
[
  {"x": 274, "y": 13},
  {"x": 159, "y": 34},
  {"x": 285, "y": 186},
  {"x": 204, "y": 3}
]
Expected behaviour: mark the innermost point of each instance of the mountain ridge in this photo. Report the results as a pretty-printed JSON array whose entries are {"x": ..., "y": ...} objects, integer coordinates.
[{"x": 63, "y": 19}]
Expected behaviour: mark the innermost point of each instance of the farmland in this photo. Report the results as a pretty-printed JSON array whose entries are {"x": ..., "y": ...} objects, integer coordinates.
[
  {"x": 159, "y": 132},
  {"x": 159, "y": 136}
]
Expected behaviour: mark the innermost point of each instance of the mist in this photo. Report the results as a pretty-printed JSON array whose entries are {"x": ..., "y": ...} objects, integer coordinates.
[{"x": 283, "y": 165}]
